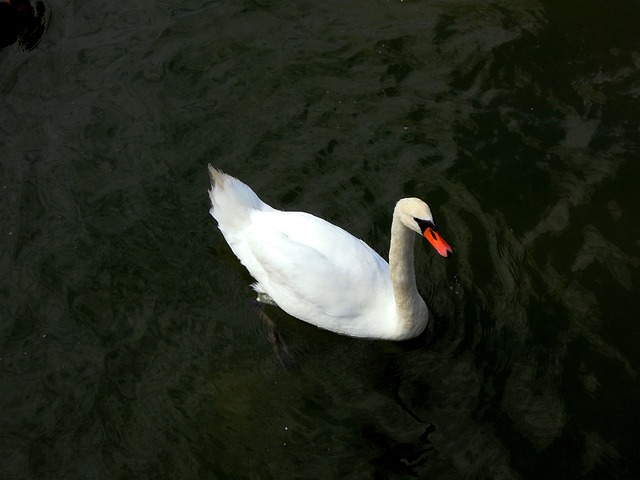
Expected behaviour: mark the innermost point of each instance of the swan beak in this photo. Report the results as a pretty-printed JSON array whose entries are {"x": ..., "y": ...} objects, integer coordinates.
[{"x": 438, "y": 242}]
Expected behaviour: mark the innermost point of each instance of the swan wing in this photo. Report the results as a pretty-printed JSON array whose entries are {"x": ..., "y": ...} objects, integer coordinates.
[{"x": 314, "y": 270}]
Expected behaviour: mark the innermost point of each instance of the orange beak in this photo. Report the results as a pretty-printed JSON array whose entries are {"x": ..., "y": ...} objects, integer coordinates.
[{"x": 438, "y": 242}]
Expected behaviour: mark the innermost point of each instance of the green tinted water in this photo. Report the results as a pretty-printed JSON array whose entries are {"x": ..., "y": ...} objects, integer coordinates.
[{"x": 129, "y": 344}]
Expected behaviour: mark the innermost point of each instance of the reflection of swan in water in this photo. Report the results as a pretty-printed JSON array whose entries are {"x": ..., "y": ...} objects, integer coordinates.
[
  {"x": 21, "y": 22},
  {"x": 319, "y": 273}
]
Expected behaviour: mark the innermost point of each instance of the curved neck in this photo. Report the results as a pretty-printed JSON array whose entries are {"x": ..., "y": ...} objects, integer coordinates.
[{"x": 411, "y": 310}]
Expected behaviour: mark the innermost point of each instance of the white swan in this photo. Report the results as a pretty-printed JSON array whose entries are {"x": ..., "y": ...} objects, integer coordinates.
[{"x": 319, "y": 273}]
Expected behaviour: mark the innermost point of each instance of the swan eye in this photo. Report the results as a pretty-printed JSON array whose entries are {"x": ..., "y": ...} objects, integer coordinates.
[{"x": 424, "y": 224}]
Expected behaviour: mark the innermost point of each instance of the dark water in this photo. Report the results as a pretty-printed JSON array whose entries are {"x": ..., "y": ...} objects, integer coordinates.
[{"x": 129, "y": 346}]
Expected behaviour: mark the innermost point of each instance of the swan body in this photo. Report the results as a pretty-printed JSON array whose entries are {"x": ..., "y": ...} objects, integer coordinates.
[{"x": 319, "y": 273}]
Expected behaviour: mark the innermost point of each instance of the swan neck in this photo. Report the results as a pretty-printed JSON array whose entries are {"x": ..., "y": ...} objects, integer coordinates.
[
  {"x": 411, "y": 310},
  {"x": 401, "y": 259}
]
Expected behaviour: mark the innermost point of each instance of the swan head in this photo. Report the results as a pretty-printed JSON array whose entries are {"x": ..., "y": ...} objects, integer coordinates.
[{"x": 416, "y": 215}]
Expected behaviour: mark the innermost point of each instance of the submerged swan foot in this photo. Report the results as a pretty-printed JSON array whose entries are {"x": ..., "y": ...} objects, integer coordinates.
[{"x": 275, "y": 338}]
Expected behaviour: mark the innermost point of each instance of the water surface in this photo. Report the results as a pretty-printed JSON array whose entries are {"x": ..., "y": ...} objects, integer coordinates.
[{"x": 129, "y": 343}]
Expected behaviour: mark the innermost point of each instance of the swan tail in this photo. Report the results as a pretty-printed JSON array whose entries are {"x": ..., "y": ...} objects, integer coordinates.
[{"x": 231, "y": 201}]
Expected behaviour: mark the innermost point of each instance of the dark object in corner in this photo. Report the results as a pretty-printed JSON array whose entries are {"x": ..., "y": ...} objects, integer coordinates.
[{"x": 21, "y": 22}]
